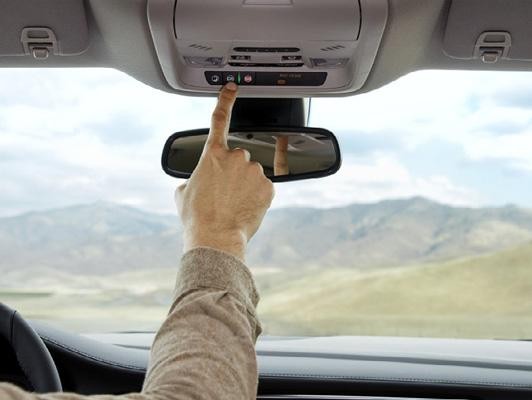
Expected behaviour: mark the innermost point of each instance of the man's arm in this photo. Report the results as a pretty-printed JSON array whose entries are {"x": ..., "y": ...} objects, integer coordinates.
[
  {"x": 205, "y": 347},
  {"x": 212, "y": 337}
]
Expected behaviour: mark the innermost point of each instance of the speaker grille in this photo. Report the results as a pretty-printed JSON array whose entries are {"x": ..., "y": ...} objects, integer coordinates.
[
  {"x": 334, "y": 47},
  {"x": 200, "y": 47}
]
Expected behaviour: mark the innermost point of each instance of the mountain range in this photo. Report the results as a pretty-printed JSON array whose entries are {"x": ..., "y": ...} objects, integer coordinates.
[{"x": 104, "y": 238}]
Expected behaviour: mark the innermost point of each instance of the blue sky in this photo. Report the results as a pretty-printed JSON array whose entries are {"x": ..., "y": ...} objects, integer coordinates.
[{"x": 83, "y": 135}]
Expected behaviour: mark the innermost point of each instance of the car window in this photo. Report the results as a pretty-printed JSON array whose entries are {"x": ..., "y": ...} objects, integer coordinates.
[{"x": 426, "y": 230}]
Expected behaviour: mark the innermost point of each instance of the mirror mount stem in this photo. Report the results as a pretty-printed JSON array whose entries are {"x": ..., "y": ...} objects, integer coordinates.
[{"x": 270, "y": 112}]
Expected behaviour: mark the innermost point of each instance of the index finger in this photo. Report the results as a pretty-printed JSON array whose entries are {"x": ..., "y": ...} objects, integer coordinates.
[
  {"x": 222, "y": 116},
  {"x": 280, "y": 160}
]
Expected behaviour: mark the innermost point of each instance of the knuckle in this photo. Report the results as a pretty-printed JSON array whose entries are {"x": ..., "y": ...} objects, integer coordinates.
[
  {"x": 215, "y": 149},
  {"x": 269, "y": 185},
  {"x": 180, "y": 189},
  {"x": 269, "y": 190},
  {"x": 240, "y": 153},
  {"x": 256, "y": 167},
  {"x": 226, "y": 97},
  {"x": 179, "y": 195},
  {"x": 219, "y": 115}
]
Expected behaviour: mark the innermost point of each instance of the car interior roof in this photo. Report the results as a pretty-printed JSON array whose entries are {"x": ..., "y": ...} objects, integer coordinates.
[{"x": 415, "y": 35}]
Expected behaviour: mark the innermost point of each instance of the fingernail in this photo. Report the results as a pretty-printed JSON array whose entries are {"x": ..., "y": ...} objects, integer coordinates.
[{"x": 231, "y": 86}]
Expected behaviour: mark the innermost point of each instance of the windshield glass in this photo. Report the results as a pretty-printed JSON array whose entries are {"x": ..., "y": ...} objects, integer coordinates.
[{"x": 426, "y": 230}]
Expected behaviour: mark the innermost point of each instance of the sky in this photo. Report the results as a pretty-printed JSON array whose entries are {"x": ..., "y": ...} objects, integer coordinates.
[{"x": 71, "y": 136}]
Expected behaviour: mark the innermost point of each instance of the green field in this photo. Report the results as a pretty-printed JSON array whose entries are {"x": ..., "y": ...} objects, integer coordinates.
[
  {"x": 482, "y": 297},
  {"x": 488, "y": 296}
]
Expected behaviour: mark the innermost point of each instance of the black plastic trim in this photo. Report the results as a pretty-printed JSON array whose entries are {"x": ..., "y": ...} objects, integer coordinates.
[
  {"x": 173, "y": 18},
  {"x": 255, "y": 49},
  {"x": 90, "y": 367},
  {"x": 359, "y": 19}
]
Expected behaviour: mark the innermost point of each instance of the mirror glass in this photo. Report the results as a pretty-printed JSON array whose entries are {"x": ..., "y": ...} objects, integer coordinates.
[{"x": 282, "y": 154}]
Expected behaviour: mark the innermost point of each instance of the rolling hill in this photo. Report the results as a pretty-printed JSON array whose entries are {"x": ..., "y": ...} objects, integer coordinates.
[
  {"x": 400, "y": 267},
  {"x": 393, "y": 232},
  {"x": 487, "y": 296},
  {"x": 105, "y": 238}
]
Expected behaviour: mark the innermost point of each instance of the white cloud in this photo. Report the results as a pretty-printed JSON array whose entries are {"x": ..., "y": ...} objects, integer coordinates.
[
  {"x": 369, "y": 179},
  {"x": 479, "y": 111},
  {"x": 73, "y": 149},
  {"x": 81, "y": 135},
  {"x": 515, "y": 149}
]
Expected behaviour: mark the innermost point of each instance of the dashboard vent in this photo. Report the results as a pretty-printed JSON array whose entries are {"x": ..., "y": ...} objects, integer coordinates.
[
  {"x": 266, "y": 60},
  {"x": 267, "y": 65},
  {"x": 266, "y": 49},
  {"x": 200, "y": 47},
  {"x": 331, "y": 48}
]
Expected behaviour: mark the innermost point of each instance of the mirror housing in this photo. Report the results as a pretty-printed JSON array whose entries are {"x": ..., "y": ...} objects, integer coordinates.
[{"x": 305, "y": 153}]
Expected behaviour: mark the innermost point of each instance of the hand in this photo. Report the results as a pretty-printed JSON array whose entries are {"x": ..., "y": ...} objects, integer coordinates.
[
  {"x": 280, "y": 160},
  {"x": 224, "y": 201}
]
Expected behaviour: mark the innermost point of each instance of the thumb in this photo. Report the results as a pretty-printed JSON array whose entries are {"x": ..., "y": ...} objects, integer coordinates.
[{"x": 178, "y": 196}]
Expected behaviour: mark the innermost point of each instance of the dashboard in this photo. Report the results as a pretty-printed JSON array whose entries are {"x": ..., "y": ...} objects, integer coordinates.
[{"x": 369, "y": 368}]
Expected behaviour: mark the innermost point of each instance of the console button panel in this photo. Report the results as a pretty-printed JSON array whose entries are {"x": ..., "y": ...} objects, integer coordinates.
[{"x": 266, "y": 78}]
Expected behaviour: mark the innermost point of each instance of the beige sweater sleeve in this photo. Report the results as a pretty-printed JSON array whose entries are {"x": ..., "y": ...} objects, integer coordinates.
[{"x": 205, "y": 349}]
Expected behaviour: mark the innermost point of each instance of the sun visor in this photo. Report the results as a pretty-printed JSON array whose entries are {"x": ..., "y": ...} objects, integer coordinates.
[
  {"x": 489, "y": 31},
  {"x": 43, "y": 28}
]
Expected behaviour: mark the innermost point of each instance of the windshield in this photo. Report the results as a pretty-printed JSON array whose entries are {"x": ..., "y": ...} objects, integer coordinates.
[{"x": 426, "y": 230}]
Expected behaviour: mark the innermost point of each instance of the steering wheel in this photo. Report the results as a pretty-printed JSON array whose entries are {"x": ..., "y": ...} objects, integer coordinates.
[{"x": 31, "y": 353}]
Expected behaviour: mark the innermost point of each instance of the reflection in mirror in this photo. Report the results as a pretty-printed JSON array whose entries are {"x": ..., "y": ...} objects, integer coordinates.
[{"x": 281, "y": 154}]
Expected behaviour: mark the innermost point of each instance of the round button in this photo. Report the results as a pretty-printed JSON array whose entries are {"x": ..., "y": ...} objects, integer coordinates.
[
  {"x": 248, "y": 78},
  {"x": 215, "y": 78}
]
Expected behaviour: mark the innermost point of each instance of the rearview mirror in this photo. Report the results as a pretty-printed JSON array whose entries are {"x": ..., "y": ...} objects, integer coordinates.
[{"x": 286, "y": 154}]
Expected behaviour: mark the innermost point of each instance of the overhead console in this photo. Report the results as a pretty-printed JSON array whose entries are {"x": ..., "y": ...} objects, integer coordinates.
[{"x": 280, "y": 48}]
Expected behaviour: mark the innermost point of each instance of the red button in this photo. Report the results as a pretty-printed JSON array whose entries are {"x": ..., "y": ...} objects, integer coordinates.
[{"x": 248, "y": 78}]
